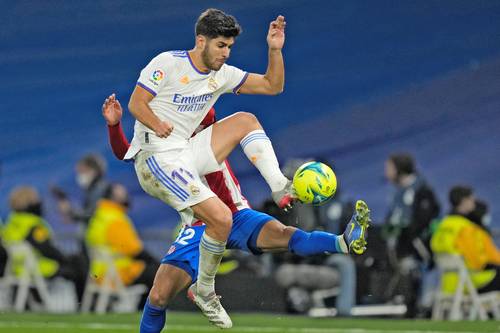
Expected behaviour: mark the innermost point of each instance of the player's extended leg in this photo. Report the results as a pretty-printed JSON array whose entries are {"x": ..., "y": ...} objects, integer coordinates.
[
  {"x": 169, "y": 281},
  {"x": 275, "y": 236},
  {"x": 244, "y": 128}
]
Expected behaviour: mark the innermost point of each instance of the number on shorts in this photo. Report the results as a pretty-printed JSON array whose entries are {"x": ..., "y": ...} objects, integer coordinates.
[
  {"x": 178, "y": 175},
  {"x": 184, "y": 236}
]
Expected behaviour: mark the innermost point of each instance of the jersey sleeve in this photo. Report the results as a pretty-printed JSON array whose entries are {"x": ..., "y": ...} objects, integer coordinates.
[
  {"x": 234, "y": 78},
  {"x": 118, "y": 140},
  {"x": 153, "y": 76}
]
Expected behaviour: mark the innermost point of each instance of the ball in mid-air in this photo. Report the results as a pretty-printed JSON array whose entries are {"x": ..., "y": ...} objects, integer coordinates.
[{"x": 315, "y": 183}]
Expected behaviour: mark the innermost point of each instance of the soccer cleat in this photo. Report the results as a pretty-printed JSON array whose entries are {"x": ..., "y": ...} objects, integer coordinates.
[
  {"x": 355, "y": 232},
  {"x": 284, "y": 198},
  {"x": 210, "y": 307}
]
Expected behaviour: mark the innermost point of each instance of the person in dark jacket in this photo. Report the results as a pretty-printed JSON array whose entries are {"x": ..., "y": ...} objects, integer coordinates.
[
  {"x": 90, "y": 176},
  {"x": 407, "y": 227}
]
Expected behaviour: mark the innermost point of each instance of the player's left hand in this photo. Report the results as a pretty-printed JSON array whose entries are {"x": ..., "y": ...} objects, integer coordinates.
[
  {"x": 276, "y": 33},
  {"x": 112, "y": 110}
]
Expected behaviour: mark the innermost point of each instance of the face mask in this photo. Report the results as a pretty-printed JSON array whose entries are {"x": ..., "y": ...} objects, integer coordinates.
[
  {"x": 84, "y": 180},
  {"x": 486, "y": 220},
  {"x": 35, "y": 208}
]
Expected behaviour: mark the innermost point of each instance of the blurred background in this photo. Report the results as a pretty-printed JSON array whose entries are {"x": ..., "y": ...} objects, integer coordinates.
[{"x": 364, "y": 80}]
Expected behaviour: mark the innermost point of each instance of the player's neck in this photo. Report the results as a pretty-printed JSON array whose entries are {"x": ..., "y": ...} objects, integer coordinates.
[{"x": 196, "y": 60}]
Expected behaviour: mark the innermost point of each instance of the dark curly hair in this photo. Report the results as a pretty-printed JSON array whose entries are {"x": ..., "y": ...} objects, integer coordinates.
[
  {"x": 459, "y": 193},
  {"x": 404, "y": 163},
  {"x": 213, "y": 23}
]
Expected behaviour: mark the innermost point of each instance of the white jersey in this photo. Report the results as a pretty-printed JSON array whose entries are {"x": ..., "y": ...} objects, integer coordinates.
[{"x": 182, "y": 95}]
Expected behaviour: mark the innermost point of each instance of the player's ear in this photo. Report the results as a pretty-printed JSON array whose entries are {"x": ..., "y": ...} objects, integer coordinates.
[{"x": 201, "y": 42}]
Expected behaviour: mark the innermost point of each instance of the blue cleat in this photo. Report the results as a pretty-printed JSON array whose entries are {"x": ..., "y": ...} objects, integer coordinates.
[{"x": 355, "y": 232}]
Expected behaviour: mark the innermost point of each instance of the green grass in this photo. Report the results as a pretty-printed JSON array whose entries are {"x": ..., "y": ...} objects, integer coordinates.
[{"x": 243, "y": 323}]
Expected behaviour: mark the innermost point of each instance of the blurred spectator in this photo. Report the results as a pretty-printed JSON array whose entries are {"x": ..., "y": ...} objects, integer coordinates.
[
  {"x": 457, "y": 234},
  {"x": 480, "y": 215},
  {"x": 406, "y": 228},
  {"x": 110, "y": 228},
  {"x": 90, "y": 172},
  {"x": 3, "y": 252},
  {"x": 26, "y": 224}
]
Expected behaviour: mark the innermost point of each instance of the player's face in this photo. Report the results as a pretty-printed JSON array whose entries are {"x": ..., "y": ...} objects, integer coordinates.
[
  {"x": 216, "y": 52},
  {"x": 390, "y": 171}
]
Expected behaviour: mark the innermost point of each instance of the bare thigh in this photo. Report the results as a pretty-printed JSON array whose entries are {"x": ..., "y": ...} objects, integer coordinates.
[
  {"x": 227, "y": 133},
  {"x": 216, "y": 215}
]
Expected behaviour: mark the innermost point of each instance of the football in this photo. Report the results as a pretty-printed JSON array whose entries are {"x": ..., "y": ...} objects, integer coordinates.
[{"x": 314, "y": 183}]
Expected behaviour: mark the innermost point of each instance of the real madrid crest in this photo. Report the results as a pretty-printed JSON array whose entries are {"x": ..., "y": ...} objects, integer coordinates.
[
  {"x": 195, "y": 190},
  {"x": 212, "y": 84}
]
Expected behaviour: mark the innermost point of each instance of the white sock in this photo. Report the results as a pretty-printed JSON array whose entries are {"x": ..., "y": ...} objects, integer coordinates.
[
  {"x": 211, "y": 252},
  {"x": 342, "y": 244},
  {"x": 260, "y": 152}
]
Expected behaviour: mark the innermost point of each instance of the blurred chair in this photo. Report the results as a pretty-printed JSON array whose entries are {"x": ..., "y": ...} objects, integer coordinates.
[
  {"x": 109, "y": 288},
  {"x": 23, "y": 280},
  {"x": 465, "y": 300},
  {"x": 309, "y": 286}
]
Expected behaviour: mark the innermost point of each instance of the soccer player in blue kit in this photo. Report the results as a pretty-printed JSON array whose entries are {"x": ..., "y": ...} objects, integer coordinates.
[{"x": 252, "y": 231}]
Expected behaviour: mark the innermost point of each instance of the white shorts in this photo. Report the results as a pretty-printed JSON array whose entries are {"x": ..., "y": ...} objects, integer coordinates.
[{"x": 175, "y": 176}]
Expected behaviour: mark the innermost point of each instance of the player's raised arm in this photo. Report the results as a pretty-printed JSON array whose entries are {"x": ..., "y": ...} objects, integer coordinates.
[
  {"x": 139, "y": 107},
  {"x": 273, "y": 81},
  {"x": 112, "y": 113},
  {"x": 112, "y": 110}
]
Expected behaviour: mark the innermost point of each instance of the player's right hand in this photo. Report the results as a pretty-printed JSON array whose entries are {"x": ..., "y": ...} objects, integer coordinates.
[
  {"x": 163, "y": 129},
  {"x": 112, "y": 110}
]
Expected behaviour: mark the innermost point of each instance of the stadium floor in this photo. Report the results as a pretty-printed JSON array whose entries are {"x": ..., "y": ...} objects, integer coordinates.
[{"x": 244, "y": 323}]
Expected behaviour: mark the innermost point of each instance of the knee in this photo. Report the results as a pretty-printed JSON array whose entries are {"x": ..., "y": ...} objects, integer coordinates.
[
  {"x": 224, "y": 220},
  {"x": 250, "y": 120},
  {"x": 219, "y": 222},
  {"x": 158, "y": 298},
  {"x": 286, "y": 232}
]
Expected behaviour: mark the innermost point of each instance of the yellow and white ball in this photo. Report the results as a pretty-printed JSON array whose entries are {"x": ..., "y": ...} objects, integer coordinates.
[{"x": 315, "y": 183}]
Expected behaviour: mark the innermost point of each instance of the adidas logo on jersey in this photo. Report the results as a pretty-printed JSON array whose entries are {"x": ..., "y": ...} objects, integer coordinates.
[{"x": 184, "y": 80}]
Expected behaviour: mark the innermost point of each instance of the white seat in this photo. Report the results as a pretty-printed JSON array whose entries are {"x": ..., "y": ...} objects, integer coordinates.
[
  {"x": 465, "y": 302},
  {"x": 30, "y": 277},
  {"x": 110, "y": 286}
]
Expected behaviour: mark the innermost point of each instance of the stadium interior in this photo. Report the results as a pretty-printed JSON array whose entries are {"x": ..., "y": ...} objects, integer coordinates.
[{"x": 364, "y": 80}]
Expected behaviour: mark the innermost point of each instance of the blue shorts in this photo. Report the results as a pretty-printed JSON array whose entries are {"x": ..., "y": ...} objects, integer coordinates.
[{"x": 184, "y": 252}]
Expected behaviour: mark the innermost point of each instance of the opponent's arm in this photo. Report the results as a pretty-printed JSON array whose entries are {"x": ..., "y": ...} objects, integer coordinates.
[
  {"x": 112, "y": 112},
  {"x": 273, "y": 81},
  {"x": 139, "y": 107}
]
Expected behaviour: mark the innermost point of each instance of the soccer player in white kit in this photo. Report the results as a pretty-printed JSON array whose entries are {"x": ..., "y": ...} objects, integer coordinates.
[{"x": 173, "y": 94}]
